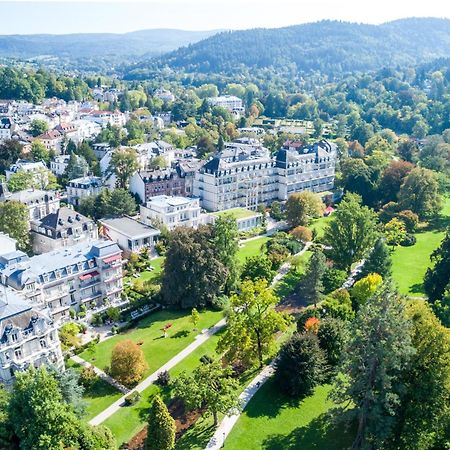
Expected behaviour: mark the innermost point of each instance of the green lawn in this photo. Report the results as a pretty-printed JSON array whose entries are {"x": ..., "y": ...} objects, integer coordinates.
[
  {"x": 129, "y": 420},
  {"x": 409, "y": 264},
  {"x": 157, "y": 349},
  {"x": 237, "y": 213},
  {"x": 291, "y": 280},
  {"x": 319, "y": 225},
  {"x": 251, "y": 248},
  {"x": 147, "y": 274},
  {"x": 274, "y": 422},
  {"x": 98, "y": 397}
]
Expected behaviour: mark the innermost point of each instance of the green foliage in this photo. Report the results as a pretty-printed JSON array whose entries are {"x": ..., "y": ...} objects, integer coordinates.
[
  {"x": 14, "y": 218},
  {"x": 258, "y": 267},
  {"x": 161, "y": 427},
  {"x": 379, "y": 261},
  {"x": 333, "y": 279},
  {"x": 10, "y": 152},
  {"x": 332, "y": 335},
  {"x": 395, "y": 232},
  {"x": 21, "y": 180},
  {"x": 302, "y": 207},
  {"x": 116, "y": 203},
  {"x": 193, "y": 274},
  {"x": 124, "y": 164},
  {"x": 301, "y": 365},
  {"x": 351, "y": 232},
  {"x": 77, "y": 167},
  {"x": 252, "y": 324},
  {"x": 210, "y": 386},
  {"x": 437, "y": 278},
  {"x": 39, "y": 152},
  {"x": 312, "y": 286},
  {"x": 366, "y": 287},
  {"x": 339, "y": 305},
  {"x": 38, "y": 127}
]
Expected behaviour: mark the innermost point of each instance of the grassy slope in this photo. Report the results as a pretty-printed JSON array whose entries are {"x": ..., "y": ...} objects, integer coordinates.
[
  {"x": 157, "y": 350},
  {"x": 251, "y": 248},
  {"x": 411, "y": 263},
  {"x": 273, "y": 421}
]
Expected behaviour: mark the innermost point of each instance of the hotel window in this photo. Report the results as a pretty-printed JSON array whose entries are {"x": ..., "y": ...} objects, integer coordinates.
[
  {"x": 18, "y": 353},
  {"x": 43, "y": 343}
]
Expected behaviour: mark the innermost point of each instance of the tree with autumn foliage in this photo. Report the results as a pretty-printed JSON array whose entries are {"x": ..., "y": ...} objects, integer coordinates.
[
  {"x": 301, "y": 207},
  {"x": 127, "y": 363}
]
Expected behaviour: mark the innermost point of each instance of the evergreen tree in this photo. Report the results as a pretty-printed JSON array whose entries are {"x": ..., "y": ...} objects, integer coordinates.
[
  {"x": 379, "y": 261},
  {"x": 161, "y": 427},
  {"x": 312, "y": 286},
  {"x": 437, "y": 278}
]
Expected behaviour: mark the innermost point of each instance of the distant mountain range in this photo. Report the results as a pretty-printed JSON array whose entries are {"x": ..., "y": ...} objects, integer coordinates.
[
  {"x": 90, "y": 45},
  {"x": 326, "y": 46}
]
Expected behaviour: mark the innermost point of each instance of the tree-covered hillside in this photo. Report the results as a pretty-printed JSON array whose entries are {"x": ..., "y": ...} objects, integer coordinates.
[{"x": 330, "y": 47}]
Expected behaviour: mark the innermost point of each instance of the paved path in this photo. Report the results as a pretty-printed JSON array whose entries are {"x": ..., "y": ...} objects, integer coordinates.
[
  {"x": 199, "y": 340},
  {"x": 228, "y": 422},
  {"x": 104, "y": 376}
]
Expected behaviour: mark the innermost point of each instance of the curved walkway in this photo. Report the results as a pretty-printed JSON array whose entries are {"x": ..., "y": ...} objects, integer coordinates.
[
  {"x": 228, "y": 422},
  {"x": 199, "y": 340}
]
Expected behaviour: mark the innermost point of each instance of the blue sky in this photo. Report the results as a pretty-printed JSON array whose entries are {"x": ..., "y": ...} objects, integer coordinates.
[{"x": 60, "y": 16}]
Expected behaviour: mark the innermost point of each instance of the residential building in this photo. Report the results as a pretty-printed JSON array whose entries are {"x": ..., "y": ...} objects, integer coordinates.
[
  {"x": 164, "y": 95},
  {"x": 103, "y": 118},
  {"x": 131, "y": 236},
  {"x": 187, "y": 168},
  {"x": 38, "y": 168},
  {"x": 229, "y": 102},
  {"x": 39, "y": 203},
  {"x": 87, "y": 274},
  {"x": 6, "y": 128},
  {"x": 85, "y": 129},
  {"x": 79, "y": 188},
  {"x": 63, "y": 228},
  {"x": 245, "y": 175},
  {"x": 28, "y": 337},
  {"x": 171, "y": 211},
  {"x": 52, "y": 140},
  {"x": 59, "y": 163},
  {"x": 147, "y": 184}
]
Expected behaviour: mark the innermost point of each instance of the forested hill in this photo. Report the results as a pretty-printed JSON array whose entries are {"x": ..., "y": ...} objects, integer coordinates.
[
  {"x": 327, "y": 46},
  {"x": 88, "y": 45}
]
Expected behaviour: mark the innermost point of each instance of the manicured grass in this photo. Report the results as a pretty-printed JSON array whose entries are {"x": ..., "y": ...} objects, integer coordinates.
[
  {"x": 273, "y": 421},
  {"x": 251, "y": 248},
  {"x": 319, "y": 225},
  {"x": 409, "y": 264},
  {"x": 147, "y": 274},
  {"x": 157, "y": 349},
  {"x": 129, "y": 420},
  {"x": 98, "y": 397},
  {"x": 237, "y": 213}
]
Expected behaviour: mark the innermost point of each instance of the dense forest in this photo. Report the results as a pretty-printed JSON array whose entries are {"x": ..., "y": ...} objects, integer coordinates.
[{"x": 330, "y": 47}]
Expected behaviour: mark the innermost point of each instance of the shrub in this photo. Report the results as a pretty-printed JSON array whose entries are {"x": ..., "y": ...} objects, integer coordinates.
[
  {"x": 339, "y": 305},
  {"x": 302, "y": 234},
  {"x": 132, "y": 398},
  {"x": 409, "y": 240},
  {"x": 206, "y": 359},
  {"x": 410, "y": 219},
  {"x": 304, "y": 315},
  {"x": 163, "y": 378},
  {"x": 332, "y": 337},
  {"x": 88, "y": 377},
  {"x": 333, "y": 279},
  {"x": 220, "y": 302}
]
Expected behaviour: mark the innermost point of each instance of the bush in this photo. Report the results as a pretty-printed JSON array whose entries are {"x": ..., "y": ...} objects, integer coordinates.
[
  {"x": 410, "y": 219},
  {"x": 304, "y": 315},
  {"x": 160, "y": 248},
  {"x": 163, "y": 378},
  {"x": 132, "y": 398},
  {"x": 408, "y": 241},
  {"x": 333, "y": 279},
  {"x": 88, "y": 377},
  {"x": 302, "y": 234},
  {"x": 220, "y": 303}
]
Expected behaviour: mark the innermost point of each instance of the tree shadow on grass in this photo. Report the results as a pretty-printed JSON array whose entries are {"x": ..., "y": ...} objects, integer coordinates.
[
  {"x": 416, "y": 288},
  {"x": 180, "y": 334},
  {"x": 319, "y": 434}
]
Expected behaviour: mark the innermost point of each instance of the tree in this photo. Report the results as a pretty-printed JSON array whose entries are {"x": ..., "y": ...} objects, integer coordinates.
[
  {"x": 210, "y": 386},
  {"x": 302, "y": 234},
  {"x": 378, "y": 351},
  {"x": 395, "y": 232},
  {"x": 14, "y": 219},
  {"x": 161, "y": 427},
  {"x": 10, "y": 152},
  {"x": 226, "y": 244},
  {"x": 379, "y": 261},
  {"x": 339, "y": 305},
  {"x": 312, "y": 286},
  {"x": 77, "y": 167},
  {"x": 332, "y": 335},
  {"x": 252, "y": 324},
  {"x": 258, "y": 267},
  {"x": 333, "y": 279},
  {"x": 357, "y": 177},
  {"x": 121, "y": 203},
  {"x": 205, "y": 147},
  {"x": 408, "y": 150},
  {"x": 424, "y": 416},
  {"x": 366, "y": 287},
  {"x": 193, "y": 274},
  {"x": 39, "y": 152},
  {"x": 38, "y": 127},
  {"x": 301, "y": 207},
  {"x": 437, "y": 278},
  {"x": 127, "y": 363},
  {"x": 123, "y": 164},
  {"x": 392, "y": 179},
  {"x": 420, "y": 193},
  {"x": 158, "y": 162},
  {"x": 351, "y": 232},
  {"x": 195, "y": 317},
  {"x": 301, "y": 365},
  {"x": 21, "y": 180}
]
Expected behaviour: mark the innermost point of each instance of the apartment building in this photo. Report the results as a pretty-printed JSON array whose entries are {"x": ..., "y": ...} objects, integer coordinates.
[
  {"x": 62, "y": 228},
  {"x": 28, "y": 337},
  {"x": 87, "y": 274},
  {"x": 245, "y": 174},
  {"x": 171, "y": 211},
  {"x": 79, "y": 188},
  {"x": 229, "y": 102}
]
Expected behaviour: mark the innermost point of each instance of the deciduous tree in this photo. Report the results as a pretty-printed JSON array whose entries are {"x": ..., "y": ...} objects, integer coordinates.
[
  {"x": 124, "y": 164},
  {"x": 127, "y": 362},
  {"x": 14, "y": 219},
  {"x": 302, "y": 207}
]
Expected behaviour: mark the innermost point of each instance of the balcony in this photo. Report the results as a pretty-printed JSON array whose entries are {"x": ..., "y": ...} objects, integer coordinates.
[{"x": 91, "y": 296}]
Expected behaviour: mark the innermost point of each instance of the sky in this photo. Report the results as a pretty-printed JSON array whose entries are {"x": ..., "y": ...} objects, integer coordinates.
[{"x": 60, "y": 16}]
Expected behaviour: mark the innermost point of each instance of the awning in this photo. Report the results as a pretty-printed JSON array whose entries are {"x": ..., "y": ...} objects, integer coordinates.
[
  {"x": 112, "y": 258},
  {"x": 88, "y": 276}
]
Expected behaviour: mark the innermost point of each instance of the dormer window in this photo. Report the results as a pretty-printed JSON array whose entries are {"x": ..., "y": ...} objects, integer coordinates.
[
  {"x": 14, "y": 337},
  {"x": 18, "y": 353}
]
